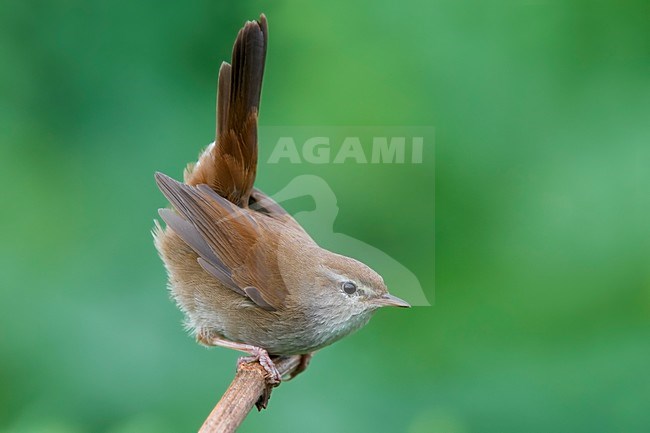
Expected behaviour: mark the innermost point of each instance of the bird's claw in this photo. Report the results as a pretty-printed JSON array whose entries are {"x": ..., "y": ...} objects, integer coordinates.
[{"x": 260, "y": 355}]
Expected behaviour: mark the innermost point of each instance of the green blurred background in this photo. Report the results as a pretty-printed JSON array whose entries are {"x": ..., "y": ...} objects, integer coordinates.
[{"x": 542, "y": 152}]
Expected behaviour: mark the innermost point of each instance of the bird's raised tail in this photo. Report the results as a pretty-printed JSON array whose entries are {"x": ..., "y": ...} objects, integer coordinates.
[{"x": 229, "y": 165}]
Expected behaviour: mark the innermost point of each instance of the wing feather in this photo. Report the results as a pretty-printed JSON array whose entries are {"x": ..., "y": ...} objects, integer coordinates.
[{"x": 238, "y": 252}]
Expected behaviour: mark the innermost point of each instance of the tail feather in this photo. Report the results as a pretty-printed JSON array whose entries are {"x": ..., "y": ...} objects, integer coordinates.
[
  {"x": 230, "y": 166},
  {"x": 223, "y": 97},
  {"x": 248, "y": 56}
]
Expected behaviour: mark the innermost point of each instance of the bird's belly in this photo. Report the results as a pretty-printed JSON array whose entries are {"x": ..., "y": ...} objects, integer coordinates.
[{"x": 305, "y": 337}]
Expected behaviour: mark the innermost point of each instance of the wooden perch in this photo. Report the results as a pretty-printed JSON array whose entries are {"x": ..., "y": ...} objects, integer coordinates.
[{"x": 247, "y": 389}]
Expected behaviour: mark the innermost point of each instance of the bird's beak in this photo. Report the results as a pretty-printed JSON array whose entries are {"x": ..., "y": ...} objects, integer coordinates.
[{"x": 389, "y": 300}]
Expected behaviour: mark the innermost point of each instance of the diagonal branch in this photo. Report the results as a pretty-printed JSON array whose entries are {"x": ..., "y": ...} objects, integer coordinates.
[{"x": 247, "y": 389}]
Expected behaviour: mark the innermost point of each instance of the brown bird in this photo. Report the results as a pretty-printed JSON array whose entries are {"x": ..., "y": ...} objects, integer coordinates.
[{"x": 244, "y": 272}]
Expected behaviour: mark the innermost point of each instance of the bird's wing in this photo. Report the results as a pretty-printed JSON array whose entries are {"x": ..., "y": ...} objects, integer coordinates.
[
  {"x": 230, "y": 166},
  {"x": 231, "y": 243}
]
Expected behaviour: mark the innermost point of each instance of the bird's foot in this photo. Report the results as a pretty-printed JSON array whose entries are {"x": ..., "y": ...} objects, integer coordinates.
[
  {"x": 257, "y": 354},
  {"x": 273, "y": 377},
  {"x": 262, "y": 356}
]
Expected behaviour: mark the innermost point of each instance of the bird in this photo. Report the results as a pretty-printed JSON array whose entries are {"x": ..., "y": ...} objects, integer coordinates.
[{"x": 243, "y": 271}]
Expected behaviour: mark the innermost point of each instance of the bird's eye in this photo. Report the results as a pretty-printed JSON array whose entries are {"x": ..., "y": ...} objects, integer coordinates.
[{"x": 349, "y": 287}]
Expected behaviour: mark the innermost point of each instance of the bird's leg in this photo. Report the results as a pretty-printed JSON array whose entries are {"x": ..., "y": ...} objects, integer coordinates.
[
  {"x": 257, "y": 354},
  {"x": 304, "y": 363}
]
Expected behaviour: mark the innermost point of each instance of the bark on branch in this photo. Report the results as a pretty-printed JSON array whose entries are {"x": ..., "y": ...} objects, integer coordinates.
[{"x": 247, "y": 389}]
